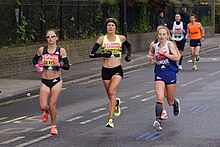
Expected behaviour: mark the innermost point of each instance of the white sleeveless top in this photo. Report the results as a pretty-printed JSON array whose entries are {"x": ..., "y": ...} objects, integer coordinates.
[{"x": 177, "y": 34}]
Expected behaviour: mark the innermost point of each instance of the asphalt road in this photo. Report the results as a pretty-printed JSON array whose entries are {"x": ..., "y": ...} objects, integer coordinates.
[{"x": 83, "y": 112}]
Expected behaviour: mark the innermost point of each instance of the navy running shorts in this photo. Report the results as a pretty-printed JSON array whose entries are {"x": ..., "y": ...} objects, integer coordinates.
[
  {"x": 168, "y": 77},
  {"x": 195, "y": 43}
]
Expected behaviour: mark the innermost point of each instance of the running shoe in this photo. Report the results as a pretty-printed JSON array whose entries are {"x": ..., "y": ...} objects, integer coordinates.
[
  {"x": 157, "y": 125},
  {"x": 53, "y": 130},
  {"x": 164, "y": 115},
  {"x": 45, "y": 117},
  {"x": 110, "y": 123},
  {"x": 176, "y": 107},
  {"x": 117, "y": 112},
  {"x": 194, "y": 67},
  {"x": 180, "y": 67},
  {"x": 197, "y": 58}
]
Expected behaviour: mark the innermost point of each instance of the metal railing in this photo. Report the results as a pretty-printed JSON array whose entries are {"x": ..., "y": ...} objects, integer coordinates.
[{"x": 76, "y": 20}]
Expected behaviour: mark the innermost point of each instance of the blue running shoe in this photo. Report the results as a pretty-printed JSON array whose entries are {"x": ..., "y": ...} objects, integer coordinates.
[
  {"x": 157, "y": 125},
  {"x": 176, "y": 107}
]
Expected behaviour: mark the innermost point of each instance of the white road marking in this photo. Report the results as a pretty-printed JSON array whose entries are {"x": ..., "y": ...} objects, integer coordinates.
[
  {"x": 133, "y": 71},
  {"x": 93, "y": 119},
  {"x": 149, "y": 82},
  {"x": 134, "y": 97},
  {"x": 150, "y": 91},
  {"x": 148, "y": 98},
  {"x": 75, "y": 118},
  {"x": 192, "y": 82},
  {"x": 33, "y": 119},
  {"x": 44, "y": 129},
  {"x": 13, "y": 140},
  {"x": 34, "y": 140},
  {"x": 98, "y": 117},
  {"x": 90, "y": 81},
  {"x": 98, "y": 110},
  {"x": 122, "y": 102},
  {"x": 19, "y": 118},
  {"x": 214, "y": 73},
  {"x": 3, "y": 118},
  {"x": 18, "y": 100},
  {"x": 15, "y": 130}
]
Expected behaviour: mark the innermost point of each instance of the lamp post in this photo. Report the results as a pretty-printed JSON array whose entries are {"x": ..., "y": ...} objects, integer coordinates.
[
  {"x": 212, "y": 3},
  {"x": 124, "y": 21}
]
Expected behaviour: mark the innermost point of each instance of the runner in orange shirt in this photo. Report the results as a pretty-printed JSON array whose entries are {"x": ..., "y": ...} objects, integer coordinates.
[{"x": 196, "y": 33}]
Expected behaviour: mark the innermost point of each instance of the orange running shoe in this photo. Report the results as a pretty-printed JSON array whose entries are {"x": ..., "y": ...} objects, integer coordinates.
[
  {"x": 45, "y": 117},
  {"x": 53, "y": 130}
]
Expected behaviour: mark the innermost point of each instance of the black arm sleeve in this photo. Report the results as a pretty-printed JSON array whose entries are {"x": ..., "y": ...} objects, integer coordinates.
[
  {"x": 93, "y": 53},
  {"x": 35, "y": 59},
  {"x": 128, "y": 46},
  {"x": 65, "y": 64}
]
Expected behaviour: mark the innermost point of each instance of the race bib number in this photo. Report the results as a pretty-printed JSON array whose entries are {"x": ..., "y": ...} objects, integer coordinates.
[
  {"x": 113, "y": 47},
  {"x": 50, "y": 60}
]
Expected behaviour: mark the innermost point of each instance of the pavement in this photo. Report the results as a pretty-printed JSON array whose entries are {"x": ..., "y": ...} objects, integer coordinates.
[{"x": 24, "y": 85}]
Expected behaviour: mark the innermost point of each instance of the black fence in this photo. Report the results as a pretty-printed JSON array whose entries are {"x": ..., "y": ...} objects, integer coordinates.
[{"x": 77, "y": 20}]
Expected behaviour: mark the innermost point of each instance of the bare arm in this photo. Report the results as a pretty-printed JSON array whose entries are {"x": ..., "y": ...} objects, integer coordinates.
[
  {"x": 100, "y": 40},
  {"x": 151, "y": 53},
  {"x": 202, "y": 31},
  {"x": 187, "y": 32}
]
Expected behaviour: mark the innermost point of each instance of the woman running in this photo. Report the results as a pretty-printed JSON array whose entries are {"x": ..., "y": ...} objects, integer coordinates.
[
  {"x": 166, "y": 69},
  {"x": 53, "y": 58},
  {"x": 112, "y": 72}
]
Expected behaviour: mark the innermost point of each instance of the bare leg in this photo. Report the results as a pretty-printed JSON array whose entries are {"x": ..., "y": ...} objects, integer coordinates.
[
  {"x": 193, "y": 55},
  {"x": 160, "y": 90},
  {"x": 111, "y": 89},
  {"x": 197, "y": 50},
  {"x": 171, "y": 92},
  {"x": 44, "y": 93},
  {"x": 55, "y": 93}
]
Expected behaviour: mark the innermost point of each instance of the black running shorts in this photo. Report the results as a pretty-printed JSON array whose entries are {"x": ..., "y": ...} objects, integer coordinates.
[{"x": 108, "y": 73}]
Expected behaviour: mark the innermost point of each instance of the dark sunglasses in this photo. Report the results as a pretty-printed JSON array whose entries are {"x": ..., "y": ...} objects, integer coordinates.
[{"x": 50, "y": 36}]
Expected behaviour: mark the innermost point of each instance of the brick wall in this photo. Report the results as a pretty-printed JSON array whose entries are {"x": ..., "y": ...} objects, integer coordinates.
[{"x": 19, "y": 59}]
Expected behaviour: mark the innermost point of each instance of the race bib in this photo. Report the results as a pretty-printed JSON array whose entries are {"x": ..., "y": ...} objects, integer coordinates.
[
  {"x": 113, "y": 47},
  {"x": 50, "y": 59}
]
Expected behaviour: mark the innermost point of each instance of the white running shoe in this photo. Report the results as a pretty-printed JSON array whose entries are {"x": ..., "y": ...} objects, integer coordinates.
[
  {"x": 180, "y": 67},
  {"x": 194, "y": 67},
  {"x": 157, "y": 125},
  {"x": 164, "y": 115}
]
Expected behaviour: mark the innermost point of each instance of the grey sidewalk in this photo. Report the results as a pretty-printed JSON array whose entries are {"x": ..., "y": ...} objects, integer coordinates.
[{"x": 20, "y": 84}]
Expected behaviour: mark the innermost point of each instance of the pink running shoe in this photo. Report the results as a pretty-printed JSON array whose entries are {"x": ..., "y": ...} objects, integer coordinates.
[
  {"x": 45, "y": 117},
  {"x": 53, "y": 130},
  {"x": 164, "y": 115}
]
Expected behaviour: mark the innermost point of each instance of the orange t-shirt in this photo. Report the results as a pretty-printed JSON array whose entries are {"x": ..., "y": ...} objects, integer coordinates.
[{"x": 194, "y": 31}]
